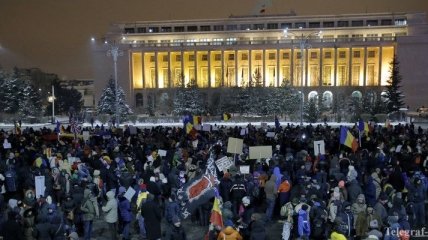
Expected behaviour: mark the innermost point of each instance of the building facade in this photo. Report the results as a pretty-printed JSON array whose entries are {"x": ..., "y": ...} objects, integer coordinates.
[{"x": 320, "y": 55}]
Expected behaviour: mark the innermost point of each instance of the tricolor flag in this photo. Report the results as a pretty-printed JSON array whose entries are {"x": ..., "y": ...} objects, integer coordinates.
[
  {"x": 363, "y": 126},
  {"x": 226, "y": 116},
  {"x": 216, "y": 218},
  {"x": 347, "y": 139}
]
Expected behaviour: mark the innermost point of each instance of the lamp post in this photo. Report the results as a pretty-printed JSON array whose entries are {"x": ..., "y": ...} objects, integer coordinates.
[
  {"x": 52, "y": 100},
  {"x": 115, "y": 53},
  {"x": 303, "y": 45}
]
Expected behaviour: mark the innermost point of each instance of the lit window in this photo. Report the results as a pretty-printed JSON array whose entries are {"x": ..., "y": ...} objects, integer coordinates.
[
  {"x": 272, "y": 56},
  {"x": 357, "y": 54},
  {"x": 327, "y": 55},
  {"x": 244, "y": 56},
  {"x": 371, "y": 54},
  {"x": 286, "y": 55},
  {"x": 231, "y": 57},
  {"x": 217, "y": 57},
  {"x": 258, "y": 56},
  {"x": 314, "y": 55},
  {"x": 342, "y": 54}
]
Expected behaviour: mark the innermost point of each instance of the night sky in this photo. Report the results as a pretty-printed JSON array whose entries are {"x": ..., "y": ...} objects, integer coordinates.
[{"x": 54, "y": 35}]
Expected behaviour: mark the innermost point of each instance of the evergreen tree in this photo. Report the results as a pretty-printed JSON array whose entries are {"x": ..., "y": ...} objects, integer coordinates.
[
  {"x": 11, "y": 88},
  {"x": 30, "y": 103},
  {"x": 188, "y": 100},
  {"x": 290, "y": 98},
  {"x": 311, "y": 113},
  {"x": 393, "y": 94},
  {"x": 107, "y": 102}
]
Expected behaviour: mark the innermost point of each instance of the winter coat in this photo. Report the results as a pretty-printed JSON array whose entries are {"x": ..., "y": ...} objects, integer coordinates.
[
  {"x": 226, "y": 211},
  {"x": 229, "y": 233},
  {"x": 362, "y": 222},
  {"x": 238, "y": 190},
  {"x": 377, "y": 182},
  {"x": 337, "y": 236},
  {"x": 359, "y": 207},
  {"x": 12, "y": 230},
  {"x": 370, "y": 191},
  {"x": 89, "y": 207},
  {"x": 224, "y": 188},
  {"x": 303, "y": 224},
  {"x": 110, "y": 209},
  {"x": 171, "y": 209},
  {"x": 151, "y": 213},
  {"x": 28, "y": 224},
  {"x": 257, "y": 230},
  {"x": 381, "y": 211},
  {"x": 348, "y": 220},
  {"x": 354, "y": 190},
  {"x": 125, "y": 209},
  {"x": 271, "y": 189},
  {"x": 43, "y": 230},
  {"x": 278, "y": 175},
  {"x": 177, "y": 233}
]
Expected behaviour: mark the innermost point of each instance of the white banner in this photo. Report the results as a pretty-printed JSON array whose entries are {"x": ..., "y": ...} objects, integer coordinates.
[
  {"x": 319, "y": 147},
  {"x": 129, "y": 193},
  {"x": 244, "y": 169}
]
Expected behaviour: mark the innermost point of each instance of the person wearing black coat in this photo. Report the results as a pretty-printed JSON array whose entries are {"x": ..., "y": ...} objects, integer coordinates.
[
  {"x": 43, "y": 230},
  {"x": 257, "y": 228},
  {"x": 11, "y": 229},
  {"x": 151, "y": 213}
]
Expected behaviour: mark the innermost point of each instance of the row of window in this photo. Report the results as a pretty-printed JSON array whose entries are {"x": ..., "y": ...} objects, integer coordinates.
[
  {"x": 262, "y": 26},
  {"x": 271, "y": 56}
]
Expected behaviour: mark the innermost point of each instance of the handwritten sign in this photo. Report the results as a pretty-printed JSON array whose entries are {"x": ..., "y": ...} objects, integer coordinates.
[
  {"x": 319, "y": 147},
  {"x": 6, "y": 144},
  {"x": 40, "y": 185},
  {"x": 162, "y": 153},
  {"x": 244, "y": 169},
  {"x": 206, "y": 127},
  {"x": 129, "y": 194},
  {"x": 223, "y": 163}
]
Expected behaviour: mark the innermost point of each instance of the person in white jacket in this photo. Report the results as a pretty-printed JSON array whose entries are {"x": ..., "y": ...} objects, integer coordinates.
[{"x": 110, "y": 210}]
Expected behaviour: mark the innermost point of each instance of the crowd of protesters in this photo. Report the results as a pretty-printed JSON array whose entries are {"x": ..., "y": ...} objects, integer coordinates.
[{"x": 377, "y": 192}]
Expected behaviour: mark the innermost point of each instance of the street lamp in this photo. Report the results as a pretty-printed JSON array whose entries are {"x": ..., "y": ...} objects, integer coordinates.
[
  {"x": 51, "y": 99},
  {"x": 303, "y": 45},
  {"x": 115, "y": 52}
]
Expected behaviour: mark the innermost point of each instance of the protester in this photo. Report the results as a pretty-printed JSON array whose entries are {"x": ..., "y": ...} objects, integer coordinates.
[{"x": 342, "y": 193}]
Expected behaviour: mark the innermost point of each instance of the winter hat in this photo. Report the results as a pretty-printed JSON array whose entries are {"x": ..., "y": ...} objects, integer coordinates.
[
  {"x": 227, "y": 204},
  {"x": 304, "y": 207},
  {"x": 372, "y": 237},
  {"x": 73, "y": 236},
  {"x": 143, "y": 187},
  {"x": 152, "y": 179},
  {"x": 228, "y": 223},
  {"x": 246, "y": 201},
  {"x": 122, "y": 190},
  {"x": 96, "y": 172}
]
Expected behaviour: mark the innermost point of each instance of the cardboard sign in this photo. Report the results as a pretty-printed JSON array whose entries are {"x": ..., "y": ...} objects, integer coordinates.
[
  {"x": 235, "y": 145},
  {"x": 85, "y": 135},
  {"x": 206, "y": 128},
  {"x": 260, "y": 152},
  {"x": 197, "y": 127},
  {"x": 40, "y": 186},
  {"x": 162, "y": 153},
  {"x": 319, "y": 147},
  {"x": 132, "y": 130},
  {"x": 223, "y": 163},
  {"x": 244, "y": 131},
  {"x": 264, "y": 125},
  {"x": 6, "y": 144},
  {"x": 270, "y": 134},
  {"x": 214, "y": 128},
  {"x": 129, "y": 194},
  {"x": 398, "y": 149},
  {"x": 244, "y": 169}
]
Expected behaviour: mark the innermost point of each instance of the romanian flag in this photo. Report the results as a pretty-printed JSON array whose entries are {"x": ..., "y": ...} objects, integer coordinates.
[
  {"x": 226, "y": 116},
  {"x": 190, "y": 121},
  {"x": 197, "y": 120},
  {"x": 363, "y": 126},
  {"x": 347, "y": 139},
  {"x": 17, "y": 128},
  {"x": 216, "y": 218}
]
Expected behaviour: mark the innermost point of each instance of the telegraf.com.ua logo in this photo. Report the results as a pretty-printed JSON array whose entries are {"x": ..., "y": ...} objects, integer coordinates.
[{"x": 419, "y": 234}]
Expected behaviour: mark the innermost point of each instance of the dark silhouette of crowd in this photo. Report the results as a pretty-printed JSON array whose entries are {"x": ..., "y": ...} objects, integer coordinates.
[{"x": 130, "y": 180}]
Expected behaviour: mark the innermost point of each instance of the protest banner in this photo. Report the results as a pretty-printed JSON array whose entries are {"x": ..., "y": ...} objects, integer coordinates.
[
  {"x": 206, "y": 128},
  {"x": 223, "y": 163},
  {"x": 40, "y": 186},
  {"x": 244, "y": 169},
  {"x": 270, "y": 134},
  {"x": 162, "y": 153},
  {"x": 259, "y": 152},
  {"x": 235, "y": 145},
  {"x": 319, "y": 147},
  {"x": 129, "y": 194}
]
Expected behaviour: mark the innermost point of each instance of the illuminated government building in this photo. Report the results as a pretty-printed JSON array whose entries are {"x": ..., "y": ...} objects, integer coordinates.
[{"x": 324, "y": 53}]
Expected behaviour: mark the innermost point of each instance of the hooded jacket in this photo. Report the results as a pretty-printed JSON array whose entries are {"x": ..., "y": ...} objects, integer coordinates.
[
  {"x": 110, "y": 209},
  {"x": 358, "y": 207},
  {"x": 304, "y": 226},
  {"x": 89, "y": 206},
  {"x": 271, "y": 188},
  {"x": 229, "y": 233}
]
